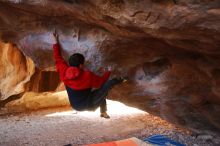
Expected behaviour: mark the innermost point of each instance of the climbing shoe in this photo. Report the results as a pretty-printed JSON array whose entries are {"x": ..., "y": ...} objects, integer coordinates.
[
  {"x": 105, "y": 115},
  {"x": 122, "y": 79}
]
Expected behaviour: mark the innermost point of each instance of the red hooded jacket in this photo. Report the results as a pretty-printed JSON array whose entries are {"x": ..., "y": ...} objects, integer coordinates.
[{"x": 75, "y": 78}]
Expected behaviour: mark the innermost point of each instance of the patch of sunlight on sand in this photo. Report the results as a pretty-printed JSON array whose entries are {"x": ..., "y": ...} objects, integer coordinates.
[{"x": 114, "y": 108}]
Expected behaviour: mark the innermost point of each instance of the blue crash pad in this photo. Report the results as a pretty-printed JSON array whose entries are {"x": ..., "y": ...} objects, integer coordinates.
[{"x": 161, "y": 140}]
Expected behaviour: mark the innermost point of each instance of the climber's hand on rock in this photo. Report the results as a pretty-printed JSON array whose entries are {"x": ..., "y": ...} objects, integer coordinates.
[
  {"x": 109, "y": 68},
  {"x": 56, "y": 36}
]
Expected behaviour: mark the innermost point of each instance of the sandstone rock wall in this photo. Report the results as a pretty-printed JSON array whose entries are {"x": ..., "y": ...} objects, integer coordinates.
[
  {"x": 169, "y": 51},
  {"x": 43, "y": 81},
  {"x": 16, "y": 70},
  {"x": 19, "y": 74}
]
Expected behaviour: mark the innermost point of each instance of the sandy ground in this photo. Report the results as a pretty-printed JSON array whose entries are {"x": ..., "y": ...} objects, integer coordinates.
[{"x": 62, "y": 126}]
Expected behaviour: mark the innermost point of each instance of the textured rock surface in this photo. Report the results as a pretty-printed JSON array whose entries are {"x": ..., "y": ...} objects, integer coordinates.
[
  {"x": 170, "y": 52},
  {"x": 35, "y": 101},
  {"x": 16, "y": 70}
]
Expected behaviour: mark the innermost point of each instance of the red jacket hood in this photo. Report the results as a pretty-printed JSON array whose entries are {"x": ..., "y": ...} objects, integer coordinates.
[{"x": 72, "y": 72}]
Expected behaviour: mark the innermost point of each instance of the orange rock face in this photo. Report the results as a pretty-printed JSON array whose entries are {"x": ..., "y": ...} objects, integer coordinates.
[
  {"x": 16, "y": 70},
  {"x": 169, "y": 51}
]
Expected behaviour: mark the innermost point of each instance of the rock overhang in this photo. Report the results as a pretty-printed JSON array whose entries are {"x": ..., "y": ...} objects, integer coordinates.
[{"x": 132, "y": 36}]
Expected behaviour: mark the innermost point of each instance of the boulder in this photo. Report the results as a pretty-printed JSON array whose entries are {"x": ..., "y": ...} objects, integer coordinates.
[{"x": 169, "y": 50}]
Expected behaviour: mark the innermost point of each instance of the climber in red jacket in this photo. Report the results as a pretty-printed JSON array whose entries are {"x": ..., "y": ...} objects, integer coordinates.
[{"x": 86, "y": 90}]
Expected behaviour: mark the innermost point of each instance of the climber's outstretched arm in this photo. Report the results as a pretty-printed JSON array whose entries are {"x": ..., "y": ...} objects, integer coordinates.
[{"x": 61, "y": 64}]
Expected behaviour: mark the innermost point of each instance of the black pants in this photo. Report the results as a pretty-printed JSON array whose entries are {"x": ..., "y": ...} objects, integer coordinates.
[{"x": 98, "y": 96}]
